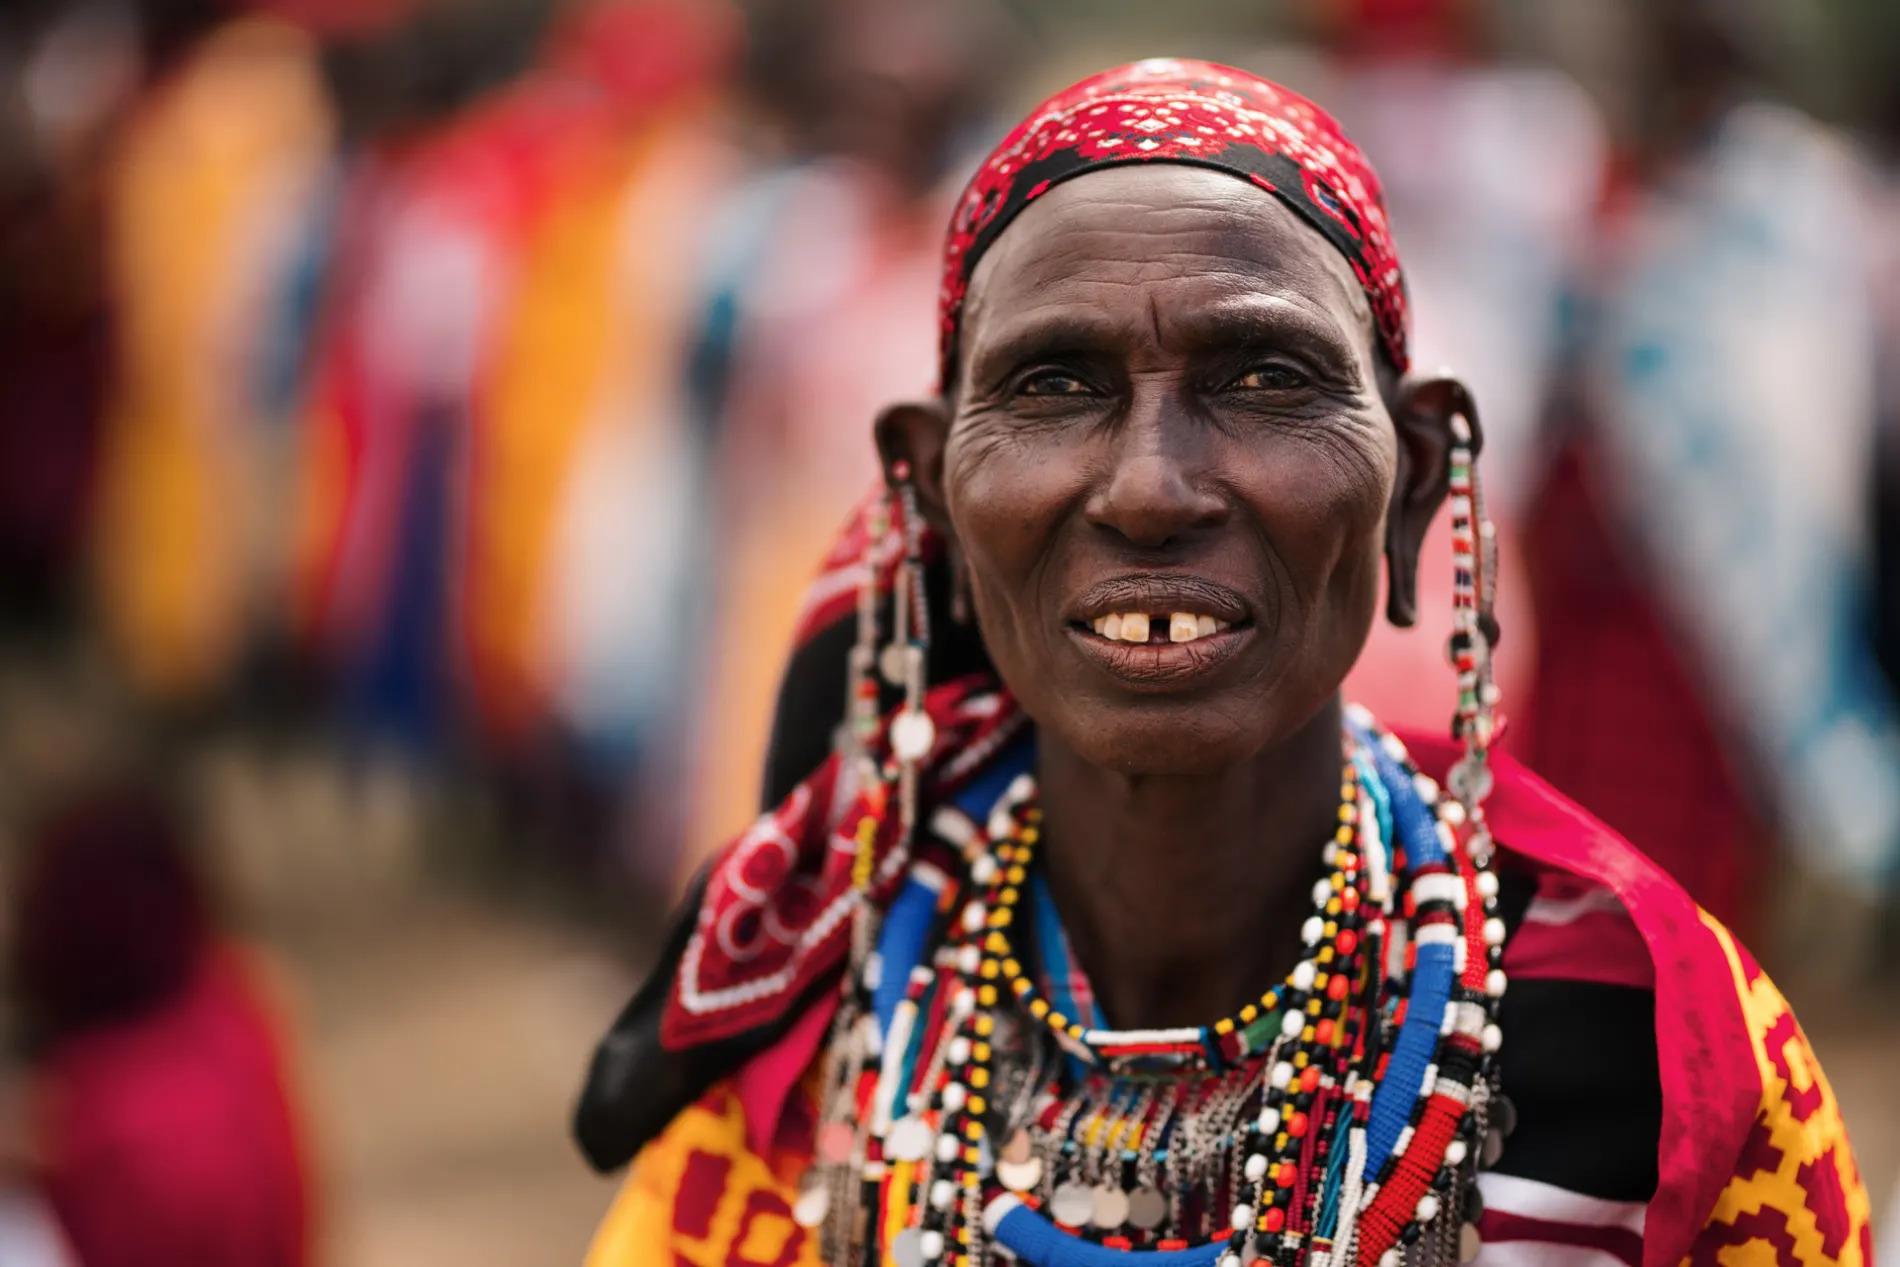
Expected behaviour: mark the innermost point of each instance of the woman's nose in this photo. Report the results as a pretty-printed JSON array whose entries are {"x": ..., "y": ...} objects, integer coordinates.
[{"x": 1152, "y": 495}]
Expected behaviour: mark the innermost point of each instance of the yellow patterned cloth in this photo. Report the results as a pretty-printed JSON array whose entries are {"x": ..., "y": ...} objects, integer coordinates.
[
  {"x": 1796, "y": 1197},
  {"x": 698, "y": 1197}
]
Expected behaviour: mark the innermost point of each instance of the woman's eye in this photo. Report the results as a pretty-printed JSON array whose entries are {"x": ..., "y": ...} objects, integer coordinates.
[
  {"x": 1053, "y": 383},
  {"x": 1275, "y": 378}
]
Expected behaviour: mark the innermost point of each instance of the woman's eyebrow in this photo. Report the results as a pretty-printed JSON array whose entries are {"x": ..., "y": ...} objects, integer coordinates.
[
  {"x": 1067, "y": 331},
  {"x": 1262, "y": 322}
]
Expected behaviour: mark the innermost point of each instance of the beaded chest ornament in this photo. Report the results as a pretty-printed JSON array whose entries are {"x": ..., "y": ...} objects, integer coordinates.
[{"x": 1339, "y": 1119}]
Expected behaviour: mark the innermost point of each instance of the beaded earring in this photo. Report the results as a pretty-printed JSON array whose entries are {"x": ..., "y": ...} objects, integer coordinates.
[
  {"x": 861, "y": 689},
  {"x": 1474, "y": 548},
  {"x": 903, "y": 662}
]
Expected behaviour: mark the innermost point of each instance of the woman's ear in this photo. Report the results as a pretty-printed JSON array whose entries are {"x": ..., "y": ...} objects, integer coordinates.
[
  {"x": 1422, "y": 410},
  {"x": 914, "y": 433}
]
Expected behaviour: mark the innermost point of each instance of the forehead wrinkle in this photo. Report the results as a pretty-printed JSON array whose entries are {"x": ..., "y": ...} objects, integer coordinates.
[{"x": 1084, "y": 225}]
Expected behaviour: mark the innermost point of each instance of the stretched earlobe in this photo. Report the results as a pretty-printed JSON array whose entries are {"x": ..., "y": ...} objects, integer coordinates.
[
  {"x": 914, "y": 433},
  {"x": 1422, "y": 411}
]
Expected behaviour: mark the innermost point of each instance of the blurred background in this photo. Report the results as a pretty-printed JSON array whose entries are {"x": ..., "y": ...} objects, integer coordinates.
[{"x": 418, "y": 419}]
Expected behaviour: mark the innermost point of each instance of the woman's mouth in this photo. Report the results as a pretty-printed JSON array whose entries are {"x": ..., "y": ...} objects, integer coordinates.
[
  {"x": 1150, "y": 627},
  {"x": 1160, "y": 630}
]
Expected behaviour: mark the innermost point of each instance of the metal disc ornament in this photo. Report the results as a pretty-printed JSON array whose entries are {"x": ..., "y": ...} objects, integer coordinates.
[
  {"x": 1073, "y": 1205},
  {"x": 912, "y": 735},
  {"x": 909, "y": 1140},
  {"x": 1111, "y": 1207},
  {"x": 1147, "y": 1208},
  {"x": 814, "y": 1202},
  {"x": 1020, "y": 1176},
  {"x": 907, "y": 1247}
]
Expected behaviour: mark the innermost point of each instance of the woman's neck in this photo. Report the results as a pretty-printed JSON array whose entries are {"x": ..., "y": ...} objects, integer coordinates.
[{"x": 1183, "y": 896}]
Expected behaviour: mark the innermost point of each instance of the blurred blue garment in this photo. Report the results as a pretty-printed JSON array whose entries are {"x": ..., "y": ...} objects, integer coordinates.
[{"x": 1734, "y": 372}]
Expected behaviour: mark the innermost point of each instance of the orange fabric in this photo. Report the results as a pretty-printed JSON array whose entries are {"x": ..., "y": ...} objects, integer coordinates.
[
  {"x": 206, "y": 178},
  {"x": 698, "y": 1197},
  {"x": 1797, "y": 1196}
]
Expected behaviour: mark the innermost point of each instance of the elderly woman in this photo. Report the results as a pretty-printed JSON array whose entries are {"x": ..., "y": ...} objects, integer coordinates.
[{"x": 1104, "y": 932}]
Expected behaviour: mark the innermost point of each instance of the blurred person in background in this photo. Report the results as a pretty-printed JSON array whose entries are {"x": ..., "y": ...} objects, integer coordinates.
[
  {"x": 493, "y": 410},
  {"x": 218, "y": 173},
  {"x": 65, "y": 74},
  {"x": 1699, "y": 550},
  {"x": 163, "y": 1129},
  {"x": 817, "y": 300}
]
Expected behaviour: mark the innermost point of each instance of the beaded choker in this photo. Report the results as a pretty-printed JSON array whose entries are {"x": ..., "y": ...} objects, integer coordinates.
[
  {"x": 1319, "y": 982},
  {"x": 1332, "y": 1122}
]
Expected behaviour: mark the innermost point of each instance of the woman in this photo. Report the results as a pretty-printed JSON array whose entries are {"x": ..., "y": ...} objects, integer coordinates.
[{"x": 1120, "y": 938}]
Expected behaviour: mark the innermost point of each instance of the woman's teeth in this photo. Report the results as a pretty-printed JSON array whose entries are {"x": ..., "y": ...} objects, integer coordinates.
[{"x": 1136, "y": 626}]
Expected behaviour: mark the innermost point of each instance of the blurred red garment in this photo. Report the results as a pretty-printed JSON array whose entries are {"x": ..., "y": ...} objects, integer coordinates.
[
  {"x": 163, "y": 1128},
  {"x": 170, "y": 1137},
  {"x": 1622, "y": 725}
]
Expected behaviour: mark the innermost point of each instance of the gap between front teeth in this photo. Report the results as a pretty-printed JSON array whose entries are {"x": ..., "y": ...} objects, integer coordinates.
[{"x": 1136, "y": 626}]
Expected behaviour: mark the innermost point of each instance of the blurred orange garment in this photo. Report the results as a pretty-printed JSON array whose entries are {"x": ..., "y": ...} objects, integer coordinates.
[
  {"x": 215, "y": 173},
  {"x": 577, "y": 427}
]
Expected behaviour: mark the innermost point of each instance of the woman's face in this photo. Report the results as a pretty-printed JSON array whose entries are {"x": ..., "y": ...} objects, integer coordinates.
[{"x": 1167, "y": 466}]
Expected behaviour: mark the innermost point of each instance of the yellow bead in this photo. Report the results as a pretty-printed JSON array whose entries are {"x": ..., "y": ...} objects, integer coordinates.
[
  {"x": 1012, "y": 968},
  {"x": 1038, "y": 1009},
  {"x": 987, "y": 970},
  {"x": 1014, "y": 876},
  {"x": 984, "y": 1025},
  {"x": 986, "y": 995},
  {"x": 1224, "y": 1026},
  {"x": 1306, "y": 1035},
  {"x": 1248, "y": 1014},
  {"x": 980, "y": 1050}
]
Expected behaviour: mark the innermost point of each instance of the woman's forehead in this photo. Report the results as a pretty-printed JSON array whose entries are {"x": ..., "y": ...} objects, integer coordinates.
[{"x": 1170, "y": 235}]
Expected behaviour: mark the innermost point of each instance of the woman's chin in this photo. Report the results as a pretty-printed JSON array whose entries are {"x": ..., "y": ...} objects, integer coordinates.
[{"x": 1160, "y": 735}]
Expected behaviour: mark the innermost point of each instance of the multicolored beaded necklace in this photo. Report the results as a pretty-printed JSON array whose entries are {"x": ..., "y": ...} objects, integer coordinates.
[{"x": 1335, "y": 1121}]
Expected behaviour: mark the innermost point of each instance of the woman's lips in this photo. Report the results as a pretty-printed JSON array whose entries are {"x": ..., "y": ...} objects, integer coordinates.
[
  {"x": 1160, "y": 629},
  {"x": 1162, "y": 664}
]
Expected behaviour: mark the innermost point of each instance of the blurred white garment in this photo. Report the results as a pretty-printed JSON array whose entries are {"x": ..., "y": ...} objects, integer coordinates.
[{"x": 28, "y": 1235}]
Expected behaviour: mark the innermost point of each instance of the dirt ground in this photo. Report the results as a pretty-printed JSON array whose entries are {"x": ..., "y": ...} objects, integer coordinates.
[{"x": 442, "y": 1055}]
